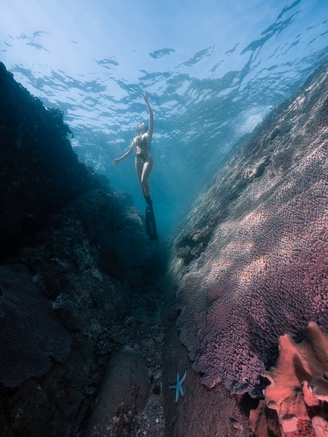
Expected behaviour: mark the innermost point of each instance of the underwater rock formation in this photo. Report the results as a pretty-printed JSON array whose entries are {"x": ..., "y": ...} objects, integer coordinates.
[
  {"x": 264, "y": 270},
  {"x": 113, "y": 224},
  {"x": 29, "y": 334},
  {"x": 39, "y": 171},
  {"x": 123, "y": 393},
  {"x": 64, "y": 279},
  {"x": 66, "y": 263}
]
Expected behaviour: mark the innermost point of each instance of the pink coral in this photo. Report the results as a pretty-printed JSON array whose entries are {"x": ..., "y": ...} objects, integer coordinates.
[
  {"x": 297, "y": 390},
  {"x": 265, "y": 270}
]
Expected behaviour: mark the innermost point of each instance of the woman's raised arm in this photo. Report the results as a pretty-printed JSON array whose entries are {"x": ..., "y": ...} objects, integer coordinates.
[{"x": 151, "y": 116}]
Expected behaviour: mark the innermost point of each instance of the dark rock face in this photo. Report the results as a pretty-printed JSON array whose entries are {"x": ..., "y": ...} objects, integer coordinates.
[
  {"x": 262, "y": 225},
  {"x": 66, "y": 263},
  {"x": 113, "y": 224},
  {"x": 39, "y": 172},
  {"x": 29, "y": 334},
  {"x": 61, "y": 224}
]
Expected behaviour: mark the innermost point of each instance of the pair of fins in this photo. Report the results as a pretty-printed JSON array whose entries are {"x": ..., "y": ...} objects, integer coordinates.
[{"x": 151, "y": 229}]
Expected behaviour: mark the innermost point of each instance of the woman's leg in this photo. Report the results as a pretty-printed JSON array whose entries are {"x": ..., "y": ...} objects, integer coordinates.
[
  {"x": 139, "y": 168},
  {"x": 147, "y": 168}
]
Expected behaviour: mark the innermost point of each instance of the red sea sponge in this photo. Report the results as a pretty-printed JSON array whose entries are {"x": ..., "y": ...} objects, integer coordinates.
[
  {"x": 297, "y": 389},
  {"x": 265, "y": 269}
]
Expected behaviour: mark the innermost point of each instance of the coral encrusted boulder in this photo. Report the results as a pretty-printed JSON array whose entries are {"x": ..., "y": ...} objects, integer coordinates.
[{"x": 265, "y": 269}]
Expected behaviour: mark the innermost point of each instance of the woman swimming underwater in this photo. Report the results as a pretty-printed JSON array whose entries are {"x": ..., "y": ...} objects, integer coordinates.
[
  {"x": 144, "y": 164},
  {"x": 143, "y": 160}
]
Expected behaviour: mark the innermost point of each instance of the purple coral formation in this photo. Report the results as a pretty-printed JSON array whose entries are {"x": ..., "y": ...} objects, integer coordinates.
[
  {"x": 265, "y": 269},
  {"x": 29, "y": 334}
]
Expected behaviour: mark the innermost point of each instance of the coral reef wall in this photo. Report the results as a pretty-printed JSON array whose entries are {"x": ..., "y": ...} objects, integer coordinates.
[{"x": 253, "y": 251}]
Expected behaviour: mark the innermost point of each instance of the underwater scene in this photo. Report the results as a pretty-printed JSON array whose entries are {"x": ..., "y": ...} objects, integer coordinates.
[
  {"x": 163, "y": 218},
  {"x": 213, "y": 71}
]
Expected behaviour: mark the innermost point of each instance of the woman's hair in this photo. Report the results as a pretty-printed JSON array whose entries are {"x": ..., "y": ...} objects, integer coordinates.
[{"x": 139, "y": 124}]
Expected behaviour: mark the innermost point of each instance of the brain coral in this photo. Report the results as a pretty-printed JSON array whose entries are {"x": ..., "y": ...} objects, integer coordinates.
[
  {"x": 265, "y": 270},
  {"x": 29, "y": 334}
]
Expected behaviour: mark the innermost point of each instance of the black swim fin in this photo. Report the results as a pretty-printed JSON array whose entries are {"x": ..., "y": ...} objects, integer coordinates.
[{"x": 151, "y": 229}]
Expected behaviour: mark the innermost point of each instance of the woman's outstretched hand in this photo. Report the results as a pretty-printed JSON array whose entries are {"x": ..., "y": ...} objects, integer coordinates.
[
  {"x": 116, "y": 161},
  {"x": 145, "y": 96}
]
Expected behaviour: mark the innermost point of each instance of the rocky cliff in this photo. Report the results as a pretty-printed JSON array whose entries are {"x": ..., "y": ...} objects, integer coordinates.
[{"x": 73, "y": 252}]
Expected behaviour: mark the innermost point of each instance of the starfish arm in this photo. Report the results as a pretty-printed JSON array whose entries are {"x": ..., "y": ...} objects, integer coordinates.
[
  {"x": 176, "y": 394},
  {"x": 178, "y": 387}
]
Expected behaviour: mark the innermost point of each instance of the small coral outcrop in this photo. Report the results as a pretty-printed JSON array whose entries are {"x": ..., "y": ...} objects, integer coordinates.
[{"x": 256, "y": 170}]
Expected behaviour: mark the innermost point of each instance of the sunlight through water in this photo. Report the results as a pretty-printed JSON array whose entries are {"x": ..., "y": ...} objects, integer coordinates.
[{"x": 213, "y": 70}]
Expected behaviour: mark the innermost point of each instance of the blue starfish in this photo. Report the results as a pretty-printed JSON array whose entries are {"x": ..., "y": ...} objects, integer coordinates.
[{"x": 178, "y": 387}]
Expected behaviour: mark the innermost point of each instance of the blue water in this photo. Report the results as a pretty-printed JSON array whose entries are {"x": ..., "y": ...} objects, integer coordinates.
[{"x": 213, "y": 70}]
